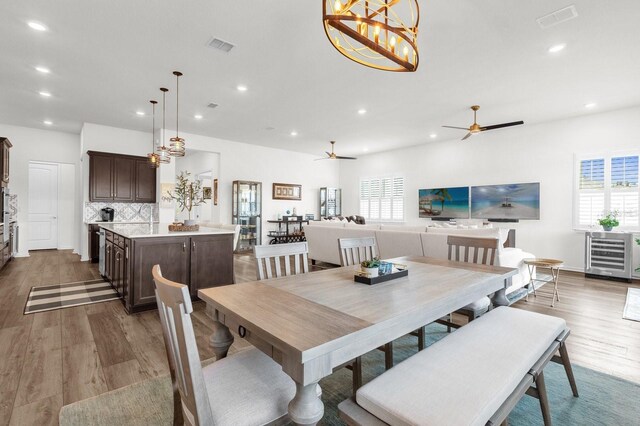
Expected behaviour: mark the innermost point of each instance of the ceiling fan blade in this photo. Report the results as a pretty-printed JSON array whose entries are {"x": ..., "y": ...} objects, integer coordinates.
[
  {"x": 499, "y": 126},
  {"x": 467, "y": 136},
  {"x": 454, "y": 127},
  {"x": 328, "y": 154},
  {"x": 345, "y": 158}
]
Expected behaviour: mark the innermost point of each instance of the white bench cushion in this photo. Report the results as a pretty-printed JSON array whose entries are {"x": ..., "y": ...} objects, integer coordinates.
[
  {"x": 247, "y": 388},
  {"x": 464, "y": 378}
]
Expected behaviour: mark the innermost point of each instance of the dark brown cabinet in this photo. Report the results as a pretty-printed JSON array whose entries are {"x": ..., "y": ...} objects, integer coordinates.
[
  {"x": 123, "y": 182},
  {"x": 211, "y": 261},
  {"x": 171, "y": 253},
  {"x": 145, "y": 182},
  {"x": 108, "y": 260},
  {"x": 5, "y": 164},
  {"x": 120, "y": 178}
]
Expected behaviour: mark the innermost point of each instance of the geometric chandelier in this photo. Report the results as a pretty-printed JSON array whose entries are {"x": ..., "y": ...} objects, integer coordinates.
[{"x": 381, "y": 34}]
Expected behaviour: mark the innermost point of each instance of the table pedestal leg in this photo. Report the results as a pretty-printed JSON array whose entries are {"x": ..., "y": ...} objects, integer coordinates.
[
  {"x": 306, "y": 408},
  {"x": 500, "y": 296},
  {"x": 221, "y": 339}
]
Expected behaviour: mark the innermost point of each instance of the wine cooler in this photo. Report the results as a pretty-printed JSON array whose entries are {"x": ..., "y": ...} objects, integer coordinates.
[{"x": 608, "y": 254}]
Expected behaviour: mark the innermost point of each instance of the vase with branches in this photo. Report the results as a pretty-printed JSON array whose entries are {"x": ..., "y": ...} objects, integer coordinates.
[{"x": 187, "y": 193}]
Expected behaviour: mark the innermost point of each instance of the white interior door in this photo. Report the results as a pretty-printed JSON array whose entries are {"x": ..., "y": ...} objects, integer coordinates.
[{"x": 43, "y": 206}]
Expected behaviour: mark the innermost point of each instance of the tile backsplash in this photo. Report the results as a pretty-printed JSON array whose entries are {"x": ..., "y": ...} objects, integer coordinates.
[
  {"x": 132, "y": 212},
  {"x": 13, "y": 207}
]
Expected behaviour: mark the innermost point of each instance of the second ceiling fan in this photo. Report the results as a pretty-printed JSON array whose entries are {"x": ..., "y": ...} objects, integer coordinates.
[
  {"x": 332, "y": 155},
  {"x": 476, "y": 128}
]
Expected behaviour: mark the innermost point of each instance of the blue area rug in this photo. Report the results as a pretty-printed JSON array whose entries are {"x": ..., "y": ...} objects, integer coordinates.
[{"x": 604, "y": 399}]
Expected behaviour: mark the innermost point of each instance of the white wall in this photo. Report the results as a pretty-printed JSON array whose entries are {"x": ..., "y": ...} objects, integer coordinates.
[
  {"x": 48, "y": 146},
  {"x": 531, "y": 153},
  {"x": 240, "y": 161},
  {"x": 196, "y": 163}
]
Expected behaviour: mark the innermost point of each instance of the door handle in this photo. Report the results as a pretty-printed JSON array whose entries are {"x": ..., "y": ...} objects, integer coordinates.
[
  {"x": 194, "y": 245},
  {"x": 184, "y": 246}
]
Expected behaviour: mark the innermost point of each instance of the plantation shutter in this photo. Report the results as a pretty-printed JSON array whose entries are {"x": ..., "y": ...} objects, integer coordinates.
[
  {"x": 382, "y": 199},
  {"x": 624, "y": 189},
  {"x": 591, "y": 191}
]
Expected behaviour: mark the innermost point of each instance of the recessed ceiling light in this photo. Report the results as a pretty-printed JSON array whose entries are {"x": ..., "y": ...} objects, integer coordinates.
[
  {"x": 242, "y": 88},
  {"x": 365, "y": 149},
  {"x": 37, "y": 26},
  {"x": 590, "y": 105},
  {"x": 433, "y": 136},
  {"x": 557, "y": 48},
  {"x": 294, "y": 133},
  {"x": 45, "y": 94},
  {"x": 362, "y": 111},
  {"x": 140, "y": 113},
  {"x": 47, "y": 122},
  {"x": 43, "y": 70},
  {"x": 197, "y": 117}
]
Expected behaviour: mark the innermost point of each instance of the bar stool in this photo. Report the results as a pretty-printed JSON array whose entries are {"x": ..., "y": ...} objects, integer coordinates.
[{"x": 554, "y": 266}]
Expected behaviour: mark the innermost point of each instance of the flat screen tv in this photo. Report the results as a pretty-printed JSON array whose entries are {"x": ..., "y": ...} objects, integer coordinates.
[
  {"x": 444, "y": 203},
  {"x": 514, "y": 201}
]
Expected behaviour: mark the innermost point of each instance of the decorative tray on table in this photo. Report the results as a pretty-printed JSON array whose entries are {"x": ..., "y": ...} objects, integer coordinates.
[{"x": 396, "y": 271}]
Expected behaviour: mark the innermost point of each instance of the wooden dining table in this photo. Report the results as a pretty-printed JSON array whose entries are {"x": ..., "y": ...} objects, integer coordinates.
[{"x": 315, "y": 322}]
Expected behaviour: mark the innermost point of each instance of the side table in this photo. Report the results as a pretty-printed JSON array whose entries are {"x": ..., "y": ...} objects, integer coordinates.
[{"x": 554, "y": 266}]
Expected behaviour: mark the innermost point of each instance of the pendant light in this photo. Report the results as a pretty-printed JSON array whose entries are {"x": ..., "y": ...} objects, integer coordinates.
[
  {"x": 176, "y": 147},
  {"x": 153, "y": 158},
  {"x": 163, "y": 151}
]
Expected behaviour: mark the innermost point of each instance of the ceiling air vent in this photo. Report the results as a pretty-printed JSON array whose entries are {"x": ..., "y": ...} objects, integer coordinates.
[
  {"x": 212, "y": 105},
  {"x": 558, "y": 17},
  {"x": 222, "y": 45}
]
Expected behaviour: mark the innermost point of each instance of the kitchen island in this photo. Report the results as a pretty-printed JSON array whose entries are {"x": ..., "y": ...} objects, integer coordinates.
[{"x": 199, "y": 259}]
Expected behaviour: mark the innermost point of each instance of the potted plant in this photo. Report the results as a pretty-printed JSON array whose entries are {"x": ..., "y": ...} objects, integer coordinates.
[
  {"x": 188, "y": 194},
  {"x": 610, "y": 221},
  {"x": 370, "y": 267}
]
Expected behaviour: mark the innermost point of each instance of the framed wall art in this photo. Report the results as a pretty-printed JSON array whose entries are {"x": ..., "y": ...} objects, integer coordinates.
[{"x": 287, "y": 191}]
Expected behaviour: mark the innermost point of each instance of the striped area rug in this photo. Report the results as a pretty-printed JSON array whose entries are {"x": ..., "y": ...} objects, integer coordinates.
[{"x": 51, "y": 297}]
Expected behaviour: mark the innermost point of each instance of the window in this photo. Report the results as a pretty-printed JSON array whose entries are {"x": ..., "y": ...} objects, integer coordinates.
[
  {"x": 382, "y": 199},
  {"x": 608, "y": 183}
]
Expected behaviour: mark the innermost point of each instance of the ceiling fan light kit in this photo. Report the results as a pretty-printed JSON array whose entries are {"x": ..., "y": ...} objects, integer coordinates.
[
  {"x": 380, "y": 34},
  {"x": 475, "y": 128}
]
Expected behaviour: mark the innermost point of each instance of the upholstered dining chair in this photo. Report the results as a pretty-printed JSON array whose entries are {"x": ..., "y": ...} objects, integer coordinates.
[
  {"x": 472, "y": 250},
  {"x": 270, "y": 259},
  {"x": 247, "y": 388}
]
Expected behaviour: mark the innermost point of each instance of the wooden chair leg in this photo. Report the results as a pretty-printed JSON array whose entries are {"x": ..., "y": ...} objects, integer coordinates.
[
  {"x": 544, "y": 401},
  {"x": 422, "y": 337},
  {"x": 564, "y": 354},
  {"x": 357, "y": 374},
  {"x": 177, "y": 404},
  {"x": 388, "y": 355},
  {"x": 505, "y": 422}
]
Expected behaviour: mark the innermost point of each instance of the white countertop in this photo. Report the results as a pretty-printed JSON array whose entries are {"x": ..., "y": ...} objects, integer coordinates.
[
  {"x": 129, "y": 230},
  {"x": 101, "y": 222}
]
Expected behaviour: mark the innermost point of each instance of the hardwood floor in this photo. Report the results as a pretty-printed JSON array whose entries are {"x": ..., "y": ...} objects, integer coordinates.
[{"x": 54, "y": 358}]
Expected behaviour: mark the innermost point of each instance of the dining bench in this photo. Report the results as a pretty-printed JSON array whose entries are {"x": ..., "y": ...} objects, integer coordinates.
[{"x": 474, "y": 376}]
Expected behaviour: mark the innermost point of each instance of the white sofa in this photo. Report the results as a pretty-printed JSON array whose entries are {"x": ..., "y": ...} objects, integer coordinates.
[{"x": 396, "y": 241}]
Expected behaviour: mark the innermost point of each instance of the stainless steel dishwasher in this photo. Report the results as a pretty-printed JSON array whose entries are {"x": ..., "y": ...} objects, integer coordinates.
[{"x": 101, "y": 262}]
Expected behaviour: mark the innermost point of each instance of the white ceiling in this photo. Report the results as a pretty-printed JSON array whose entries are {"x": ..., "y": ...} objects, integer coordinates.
[{"x": 108, "y": 58}]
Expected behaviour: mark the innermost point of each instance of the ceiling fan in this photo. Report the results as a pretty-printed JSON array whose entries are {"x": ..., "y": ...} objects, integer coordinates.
[
  {"x": 476, "y": 128},
  {"x": 332, "y": 156}
]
